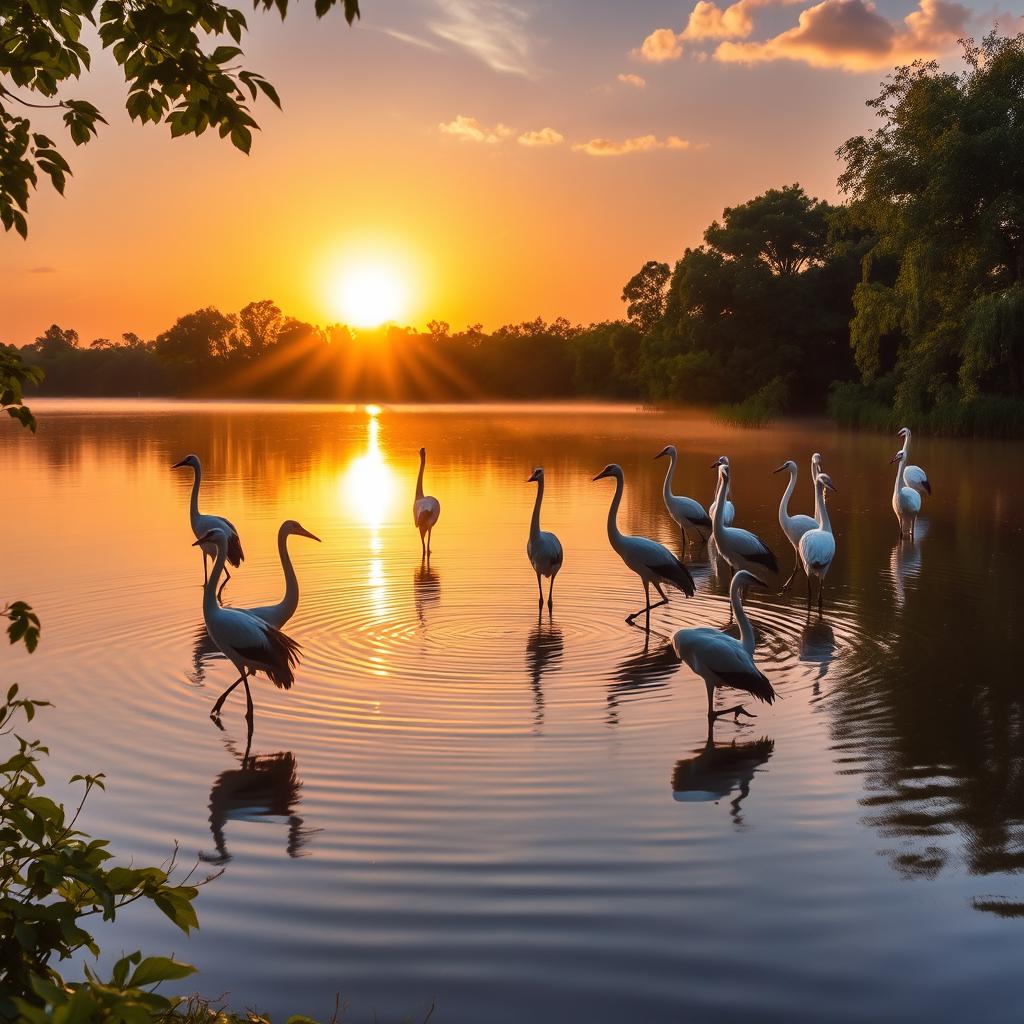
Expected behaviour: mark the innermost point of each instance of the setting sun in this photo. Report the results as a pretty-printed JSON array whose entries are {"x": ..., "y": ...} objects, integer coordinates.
[{"x": 370, "y": 295}]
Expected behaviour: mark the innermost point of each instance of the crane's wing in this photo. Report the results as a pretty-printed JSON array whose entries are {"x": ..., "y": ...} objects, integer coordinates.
[
  {"x": 724, "y": 660},
  {"x": 663, "y": 563}
]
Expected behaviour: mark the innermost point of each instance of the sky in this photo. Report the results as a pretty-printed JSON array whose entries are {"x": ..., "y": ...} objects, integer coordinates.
[{"x": 491, "y": 160}]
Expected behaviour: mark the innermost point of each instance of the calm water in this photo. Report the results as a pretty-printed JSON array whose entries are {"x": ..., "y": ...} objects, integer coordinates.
[{"x": 523, "y": 817}]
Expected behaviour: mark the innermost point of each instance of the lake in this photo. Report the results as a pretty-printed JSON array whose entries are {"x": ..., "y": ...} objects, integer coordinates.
[{"x": 522, "y": 816}]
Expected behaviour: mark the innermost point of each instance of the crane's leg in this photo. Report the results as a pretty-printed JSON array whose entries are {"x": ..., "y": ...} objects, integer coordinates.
[
  {"x": 661, "y": 593},
  {"x": 647, "y": 606},
  {"x": 227, "y": 576},
  {"x": 430, "y": 534},
  {"x": 792, "y": 576},
  {"x": 821, "y": 590},
  {"x": 551, "y": 587},
  {"x": 808, "y": 593},
  {"x": 206, "y": 571},
  {"x": 540, "y": 592},
  {"x": 248, "y": 701},
  {"x": 711, "y": 710},
  {"x": 215, "y": 712}
]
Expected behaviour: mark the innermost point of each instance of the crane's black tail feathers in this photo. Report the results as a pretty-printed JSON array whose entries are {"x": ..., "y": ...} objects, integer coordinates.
[
  {"x": 766, "y": 558},
  {"x": 235, "y": 555},
  {"x": 678, "y": 575},
  {"x": 283, "y": 657},
  {"x": 755, "y": 683}
]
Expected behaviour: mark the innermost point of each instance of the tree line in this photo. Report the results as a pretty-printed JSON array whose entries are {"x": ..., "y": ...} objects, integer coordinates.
[{"x": 906, "y": 302}]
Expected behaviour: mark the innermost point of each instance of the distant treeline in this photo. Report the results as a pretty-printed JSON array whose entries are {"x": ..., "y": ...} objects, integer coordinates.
[{"x": 906, "y": 304}]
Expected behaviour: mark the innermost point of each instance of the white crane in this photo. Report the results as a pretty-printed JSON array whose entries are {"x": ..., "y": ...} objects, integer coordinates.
[
  {"x": 906, "y": 502},
  {"x": 277, "y": 615},
  {"x": 794, "y": 527},
  {"x": 426, "y": 510},
  {"x": 247, "y": 642},
  {"x": 817, "y": 547},
  {"x": 687, "y": 513},
  {"x": 543, "y": 549},
  {"x": 815, "y": 470},
  {"x": 651, "y": 561},
  {"x": 913, "y": 476},
  {"x": 201, "y": 525},
  {"x": 729, "y": 516},
  {"x": 740, "y": 548},
  {"x": 721, "y": 660}
]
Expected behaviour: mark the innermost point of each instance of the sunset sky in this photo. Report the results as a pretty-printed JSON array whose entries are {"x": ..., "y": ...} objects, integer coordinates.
[{"x": 500, "y": 161}]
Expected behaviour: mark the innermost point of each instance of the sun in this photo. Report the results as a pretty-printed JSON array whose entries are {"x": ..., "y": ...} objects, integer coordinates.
[{"x": 370, "y": 294}]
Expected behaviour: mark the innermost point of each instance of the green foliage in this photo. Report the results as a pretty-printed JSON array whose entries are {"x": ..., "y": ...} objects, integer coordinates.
[
  {"x": 24, "y": 624},
  {"x": 765, "y": 405},
  {"x": 644, "y": 295},
  {"x": 940, "y": 187},
  {"x": 53, "y": 878},
  {"x": 173, "y": 54},
  {"x": 14, "y": 375}
]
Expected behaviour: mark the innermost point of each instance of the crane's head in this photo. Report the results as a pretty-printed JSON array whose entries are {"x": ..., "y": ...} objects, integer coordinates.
[
  {"x": 816, "y": 462},
  {"x": 722, "y": 460},
  {"x": 743, "y": 579},
  {"x": 788, "y": 464},
  {"x": 612, "y": 469},
  {"x": 290, "y": 526},
  {"x": 537, "y": 476},
  {"x": 826, "y": 482},
  {"x": 423, "y": 453},
  {"x": 669, "y": 449},
  {"x": 216, "y": 536},
  {"x": 903, "y": 432},
  {"x": 189, "y": 460},
  {"x": 898, "y": 457}
]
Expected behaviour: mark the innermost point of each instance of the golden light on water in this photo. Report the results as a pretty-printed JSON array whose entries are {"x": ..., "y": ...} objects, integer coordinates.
[{"x": 368, "y": 487}]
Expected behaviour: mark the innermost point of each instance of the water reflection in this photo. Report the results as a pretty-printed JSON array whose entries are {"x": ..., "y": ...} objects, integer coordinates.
[
  {"x": 368, "y": 486},
  {"x": 817, "y": 647},
  {"x": 720, "y": 769},
  {"x": 544, "y": 648},
  {"x": 904, "y": 565},
  {"x": 265, "y": 789},
  {"x": 426, "y": 589},
  {"x": 204, "y": 651},
  {"x": 641, "y": 673}
]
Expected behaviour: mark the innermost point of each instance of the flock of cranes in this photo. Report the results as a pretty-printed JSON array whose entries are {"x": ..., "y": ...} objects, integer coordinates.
[{"x": 253, "y": 641}]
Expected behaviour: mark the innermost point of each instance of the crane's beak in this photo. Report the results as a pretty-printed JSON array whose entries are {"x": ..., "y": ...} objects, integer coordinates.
[
  {"x": 303, "y": 532},
  {"x": 780, "y": 469},
  {"x": 831, "y": 486},
  {"x": 206, "y": 538},
  {"x": 602, "y": 474},
  {"x": 664, "y": 451},
  {"x": 534, "y": 477},
  {"x": 896, "y": 458},
  {"x": 178, "y": 465}
]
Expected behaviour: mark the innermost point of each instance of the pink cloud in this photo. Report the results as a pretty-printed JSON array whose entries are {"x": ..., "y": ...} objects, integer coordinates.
[{"x": 637, "y": 144}]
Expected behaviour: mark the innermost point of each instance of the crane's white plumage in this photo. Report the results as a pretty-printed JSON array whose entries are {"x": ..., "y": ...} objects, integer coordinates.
[
  {"x": 721, "y": 660},
  {"x": 543, "y": 548},
  {"x": 913, "y": 476},
  {"x": 906, "y": 502},
  {"x": 249, "y": 643},
  {"x": 277, "y": 615},
  {"x": 202, "y": 524},
  {"x": 817, "y": 547},
  {"x": 740, "y": 548},
  {"x": 687, "y": 513},
  {"x": 794, "y": 527},
  {"x": 651, "y": 561},
  {"x": 426, "y": 510}
]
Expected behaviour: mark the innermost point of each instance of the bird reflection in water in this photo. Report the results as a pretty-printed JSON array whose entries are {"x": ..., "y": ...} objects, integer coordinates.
[
  {"x": 720, "y": 769},
  {"x": 204, "y": 651},
  {"x": 544, "y": 648},
  {"x": 905, "y": 563},
  {"x": 818, "y": 648},
  {"x": 264, "y": 789},
  {"x": 646, "y": 671},
  {"x": 426, "y": 589}
]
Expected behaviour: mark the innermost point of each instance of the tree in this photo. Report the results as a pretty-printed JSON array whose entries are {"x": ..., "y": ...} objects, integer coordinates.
[
  {"x": 55, "y": 340},
  {"x": 940, "y": 184},
  {"x": 195, "y": 339},
  {"x": 644, "y": 295},
  {"x": 259, "y": 326},
  {"x": 178, "y": 68},
  {"x": 784, "y": 228}
]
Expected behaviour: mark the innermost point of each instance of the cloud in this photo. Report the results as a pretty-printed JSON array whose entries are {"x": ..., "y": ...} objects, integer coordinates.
[
  {"x": 469, "y": 129},
  {"x": 42, "y": 270},
  {"x": 637, "y": 144},
  {"x": 491, "y": 30},
  {"x": 634, "y": 80},
  {"x": 407, "y": 37},
  {"x": 661, "y": 45},
  {"x": 853, "y": 36},
  {"x": 544, "y": 137}
]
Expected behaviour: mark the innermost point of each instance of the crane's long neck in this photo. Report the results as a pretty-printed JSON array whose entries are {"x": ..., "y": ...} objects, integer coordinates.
[
  {"x": 535, "y": 521},
  {"x": 720, "y": 491},
  {"x": 210, "y": 590},
  {"x": 613, "y": 512},
  {"x": 419, "y": 479},
  {"x": 669, "y": 473},
  {"x": 818, "y": 502},
  {"x": 906, "y": 447},
  {"x": 822, "y": 507},
  {"x": 291, "y": 582},
  {"x": 898, "y": 486},
  {"x": 746, "y": 629},
  {"x": 784, "y": 504},
  {"x": 194, "y": 507}
]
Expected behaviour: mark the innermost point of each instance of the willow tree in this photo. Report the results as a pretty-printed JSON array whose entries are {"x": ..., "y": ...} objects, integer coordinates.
[
  {"x": 940, "y": 185},
  {"x": 179, "y": 58}
]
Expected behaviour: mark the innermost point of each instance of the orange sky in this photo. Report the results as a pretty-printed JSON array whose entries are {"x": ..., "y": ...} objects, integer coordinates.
[{"x": 404, "y": 141}]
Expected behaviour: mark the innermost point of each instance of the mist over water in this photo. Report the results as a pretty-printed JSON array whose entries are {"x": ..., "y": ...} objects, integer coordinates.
[{"x": 522, "y": 815}]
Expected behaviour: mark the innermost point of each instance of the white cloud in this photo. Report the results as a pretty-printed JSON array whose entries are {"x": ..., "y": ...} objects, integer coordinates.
[
  {"x": 491, "y": 30},
  {"x": 637, "y": 144},
  {"x": 634, "y": 80},
  {"x": 543, "y": 137},
  {"x": 469, "y": 129}
]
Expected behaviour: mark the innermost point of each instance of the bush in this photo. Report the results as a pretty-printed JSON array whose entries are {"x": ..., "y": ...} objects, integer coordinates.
[{"x": 765, "y": 405}]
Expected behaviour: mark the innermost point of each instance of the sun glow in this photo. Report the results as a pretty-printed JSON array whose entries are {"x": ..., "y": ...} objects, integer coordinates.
[{"x": 370, "y": 294}]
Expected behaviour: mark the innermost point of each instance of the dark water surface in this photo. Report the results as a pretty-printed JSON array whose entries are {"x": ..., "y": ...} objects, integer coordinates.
[{"x": 522, "y": 818}]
